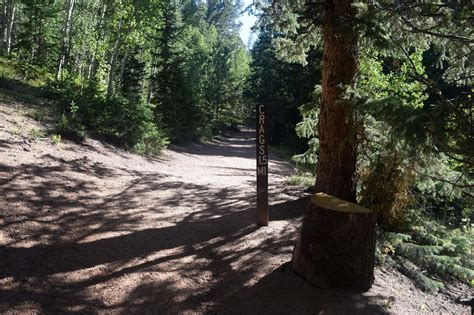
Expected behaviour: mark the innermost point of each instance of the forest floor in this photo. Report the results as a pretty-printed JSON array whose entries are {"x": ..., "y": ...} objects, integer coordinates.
[{"x": 94, "y": 229}]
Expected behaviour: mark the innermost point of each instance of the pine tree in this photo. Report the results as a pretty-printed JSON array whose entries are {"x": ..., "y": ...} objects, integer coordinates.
[{"x": 395, "y": 29}]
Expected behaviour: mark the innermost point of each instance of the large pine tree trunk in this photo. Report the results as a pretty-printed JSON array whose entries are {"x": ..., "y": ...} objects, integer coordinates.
[
  {"x": 335, "y": 249},
  {"x": 337, "y": 138}
]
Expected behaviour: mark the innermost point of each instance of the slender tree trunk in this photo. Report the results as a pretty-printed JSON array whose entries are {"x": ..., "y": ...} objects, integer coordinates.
[
  {"x": 113, "y": 62},
  {"x": 10, "y": 27},
  {"x": 89, "y": 67},
  {"x": 332, "y": 241},
  {"x": 94, "y": 63},
  {"x": 81, "y": 57},
  {"x": 69, "y": 6},
  {"x": 4, "y": 15},
  {"x": 123, "y": 63},
  {"x": 151, "y": 80},
  {"x": 216, "y": 111},
  {"x": 9, "y": 17}
]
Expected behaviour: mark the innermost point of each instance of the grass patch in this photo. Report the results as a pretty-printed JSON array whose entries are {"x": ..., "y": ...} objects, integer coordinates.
[
  {"x": 39, "y": 114},
  {"x": 36, "y": 133},
  {"x": 302, "y": 179},
  {"x": 16, "y": 132}
]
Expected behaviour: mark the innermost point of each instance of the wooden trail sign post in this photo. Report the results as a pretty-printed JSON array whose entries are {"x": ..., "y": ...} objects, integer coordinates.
[{"x": 262, "y": 166}]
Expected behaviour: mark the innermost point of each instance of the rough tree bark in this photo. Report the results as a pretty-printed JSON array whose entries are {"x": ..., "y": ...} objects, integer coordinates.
[
  {"x": 337, "y": 138},
  {"x": 336, "y": 249}
]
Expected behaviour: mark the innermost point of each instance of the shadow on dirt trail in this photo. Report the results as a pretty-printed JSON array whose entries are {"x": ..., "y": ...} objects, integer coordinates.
[
  {"x": 83, "y": 234},
  {"x": 284, "y": 292}
]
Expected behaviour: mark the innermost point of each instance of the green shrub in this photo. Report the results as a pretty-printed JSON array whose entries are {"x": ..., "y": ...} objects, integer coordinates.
[
  {"x": 385, "y": 187},
  {"x": 151, "y": 143},
  {"x": 436, "y": 249},
  {"x": 39, "y": 114},
  {"x": 69, "y": 124},
  {"x": 129, "y": 123},
  {"x": 36, "y": 133},
  {"x": 424, "y": 282},
  {"x": 56, "y": 139}
]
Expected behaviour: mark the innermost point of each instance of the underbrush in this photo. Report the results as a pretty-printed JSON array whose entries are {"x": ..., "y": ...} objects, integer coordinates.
[
  {"x": 414, "y": 241},
  {"x": 303, "y": 175},
  {"x": 427, "y": 252},
  {"x": 303, "y": 179},
  {"x": 77, "y": 109},
  {"x": 32, "y": 75},
  {"x": 127, "y": 123}
]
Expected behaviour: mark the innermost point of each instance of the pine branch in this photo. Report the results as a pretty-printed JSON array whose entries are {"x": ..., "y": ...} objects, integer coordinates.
[
  {"x": 417, "y": 29},
  {"x": 456, "y": 184}
]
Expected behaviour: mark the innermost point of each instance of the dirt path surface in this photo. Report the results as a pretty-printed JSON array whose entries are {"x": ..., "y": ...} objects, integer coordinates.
[{"x": 93, "y": 229}]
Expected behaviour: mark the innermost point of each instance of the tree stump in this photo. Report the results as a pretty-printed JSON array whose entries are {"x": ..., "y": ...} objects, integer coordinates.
[{"x": 336, "y": 247}]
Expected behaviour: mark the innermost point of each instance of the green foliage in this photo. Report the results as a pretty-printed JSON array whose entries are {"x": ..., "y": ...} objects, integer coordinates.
[
  {"x": 388, "y": 97},
  {"x": 426, "y": 283},
  {"x": 56, "y": 139},
  {"x": 375, "y": 83},
  {"x": 39, "y": 114},
  {"x": 69, "y": 124},
  {"x": 389, "y": 241},
  {"x": 414, "y": 91},
  {"x": 37, "y": 33},
  {"x": 442, "y": 252},
  {"x": 385, "y": 185},
  {"x": 21, "y": 70},
  {"x": 413, "y": 108},
  {"x": 442, "y": 187},
  {"x": 282, "y": 87},
  {"x": 8, "y": 68},
  {"x": 35, "y": 75},
  {"x": 185, "y": 58},
  {"x": 201, "y": 69},
  {"x": 36, "y": 133},
  {"x": 129, "y": 123},
  {"x": 301, "y": 179},
  {"x": 417, "y": 252},
  {"x": 307, "y": 129}
]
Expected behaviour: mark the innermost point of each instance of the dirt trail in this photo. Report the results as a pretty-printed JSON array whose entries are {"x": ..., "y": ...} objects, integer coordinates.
[{"x": 93, "y": 229}]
